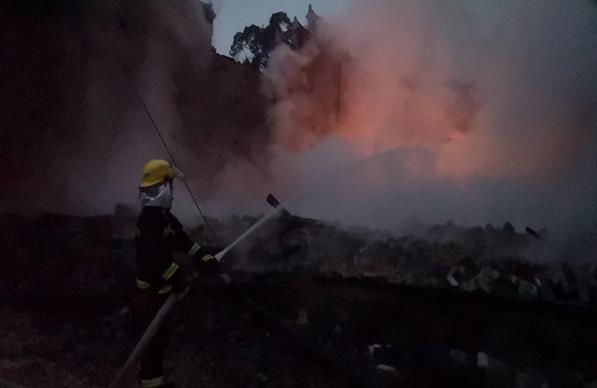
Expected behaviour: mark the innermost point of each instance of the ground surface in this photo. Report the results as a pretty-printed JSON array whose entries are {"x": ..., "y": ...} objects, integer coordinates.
[
  {"x": 367, "y": 310},
  {"x": 212, "y": 344},
  {"x": 309, "y": 331}
]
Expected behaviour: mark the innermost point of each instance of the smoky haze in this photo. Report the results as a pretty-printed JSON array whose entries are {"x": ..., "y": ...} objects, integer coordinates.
[
  {"x": 480, "y": 112},
  {"x": 476, "y": 112},
  {"x": 77, "y": 134},
  {"x": 75, "y": 131}
]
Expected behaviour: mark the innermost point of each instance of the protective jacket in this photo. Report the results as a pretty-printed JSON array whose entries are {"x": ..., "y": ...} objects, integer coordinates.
[{"x": 159, "y": 236}]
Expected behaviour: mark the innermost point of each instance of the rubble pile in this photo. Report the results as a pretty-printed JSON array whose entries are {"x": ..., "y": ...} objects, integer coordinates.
[
  {"x": 351, "y": 306},
  {"x": 397, "y": 335},
  {"x": 83, "y": 256},
  {"x": 479, "y": 259}
]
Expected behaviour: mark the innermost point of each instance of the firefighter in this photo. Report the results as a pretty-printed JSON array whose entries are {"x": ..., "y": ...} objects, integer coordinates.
[{"x": 159, "y": 235}]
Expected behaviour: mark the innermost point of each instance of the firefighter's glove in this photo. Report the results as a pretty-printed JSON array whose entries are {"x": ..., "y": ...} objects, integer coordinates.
[{"x": 208, "y": 265}]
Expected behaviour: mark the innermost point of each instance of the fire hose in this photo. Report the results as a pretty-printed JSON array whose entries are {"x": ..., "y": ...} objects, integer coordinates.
[
  {"x": 254, "y": 227},
  {"x": 151, "y": 331}
]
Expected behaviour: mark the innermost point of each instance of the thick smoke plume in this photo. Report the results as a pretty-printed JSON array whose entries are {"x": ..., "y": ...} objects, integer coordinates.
[
  {"x": 76, "y": 133},
  {"x": 473, "y": 111},
  {"x": 478, "y": 112}
]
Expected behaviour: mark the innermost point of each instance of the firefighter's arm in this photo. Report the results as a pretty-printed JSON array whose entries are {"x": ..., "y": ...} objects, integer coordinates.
[
  {"x": 201, "y": 256},
  {"x": 176, "y": 278},
  {"x": 149, "y": 246}
]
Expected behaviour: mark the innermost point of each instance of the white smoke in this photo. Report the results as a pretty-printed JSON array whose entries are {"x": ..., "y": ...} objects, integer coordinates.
[{"x": 488, "y": 109}]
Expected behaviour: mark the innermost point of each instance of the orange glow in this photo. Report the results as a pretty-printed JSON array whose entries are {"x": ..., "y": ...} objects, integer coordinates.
[{"x": 378, "y": 94}]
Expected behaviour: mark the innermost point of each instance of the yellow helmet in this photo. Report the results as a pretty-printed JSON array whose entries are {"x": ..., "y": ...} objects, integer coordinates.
[{"x": 157, "y": 171}]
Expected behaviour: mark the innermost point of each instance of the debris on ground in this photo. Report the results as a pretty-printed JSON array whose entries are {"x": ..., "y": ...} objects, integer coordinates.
[{"x": 336, "y": 301}]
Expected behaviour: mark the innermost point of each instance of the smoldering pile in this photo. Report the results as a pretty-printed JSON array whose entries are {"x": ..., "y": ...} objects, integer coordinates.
[
  {"x": 82, "y": 257},
  {"x": 492, "y": 260}
]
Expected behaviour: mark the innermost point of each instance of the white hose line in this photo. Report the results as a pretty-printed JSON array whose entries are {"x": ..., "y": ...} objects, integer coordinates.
[
  {"x": 256, "y": 225},
  {"x": 151, "y": 331}
]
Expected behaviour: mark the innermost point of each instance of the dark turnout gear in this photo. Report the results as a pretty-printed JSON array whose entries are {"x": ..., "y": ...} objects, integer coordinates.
[{"x": 159, "y": 235}]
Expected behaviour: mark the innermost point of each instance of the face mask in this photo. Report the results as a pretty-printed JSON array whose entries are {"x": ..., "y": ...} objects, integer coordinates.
[{"x": 157, "y": 196}]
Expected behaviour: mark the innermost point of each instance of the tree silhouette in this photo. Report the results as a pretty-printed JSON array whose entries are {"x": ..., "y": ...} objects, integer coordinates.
[{"x": 255, "y": 43}]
